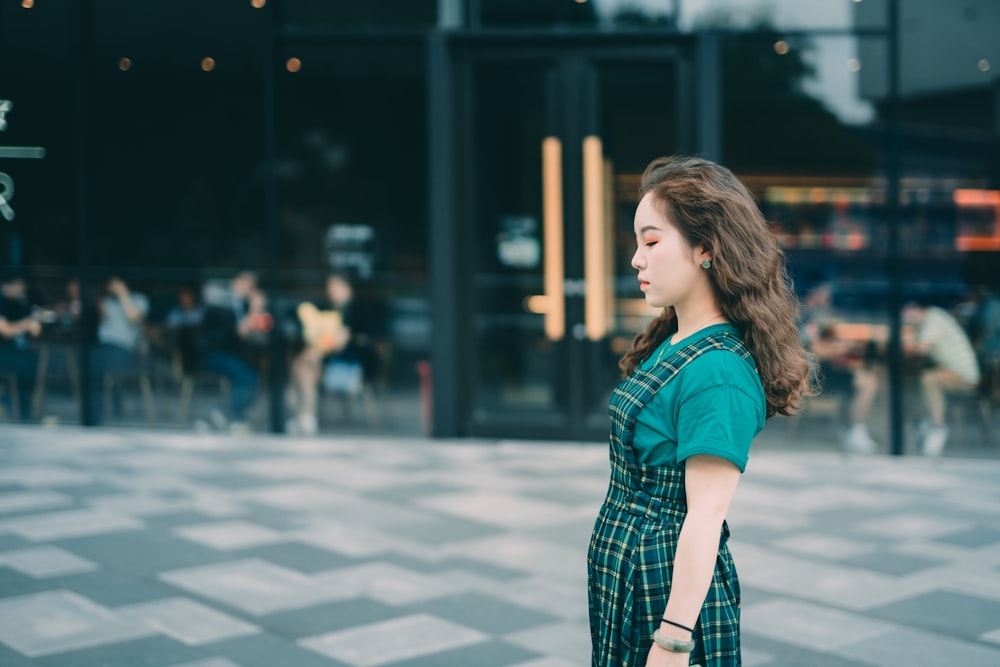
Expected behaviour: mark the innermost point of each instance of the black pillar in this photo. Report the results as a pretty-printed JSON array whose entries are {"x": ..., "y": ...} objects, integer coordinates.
[
  {"x": 277, "y": 370},
  {"x": 81, "y": 121},
  {"x": 894, "y": 265},
  {"x": 446, "y": 410}
]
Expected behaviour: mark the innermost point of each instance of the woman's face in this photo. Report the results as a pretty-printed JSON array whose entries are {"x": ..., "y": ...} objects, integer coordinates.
[
  {"x": 338, "y": 291},
  {"x": 669, "y": 268}
]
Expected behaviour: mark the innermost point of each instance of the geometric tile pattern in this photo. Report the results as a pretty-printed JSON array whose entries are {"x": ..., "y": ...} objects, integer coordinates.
[{"x": 188, "y": 550}]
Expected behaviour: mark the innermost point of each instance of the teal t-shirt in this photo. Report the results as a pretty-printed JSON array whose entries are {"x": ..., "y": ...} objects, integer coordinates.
[{"x": 714, "y": 405}]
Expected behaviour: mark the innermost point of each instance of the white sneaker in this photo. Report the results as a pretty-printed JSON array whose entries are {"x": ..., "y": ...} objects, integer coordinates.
[
  {"x": 302, "y": 426},
  {"x": 934, "y": 440},
  {"x": 218, "y": 420},
  {"x": 857, "y": 440}
]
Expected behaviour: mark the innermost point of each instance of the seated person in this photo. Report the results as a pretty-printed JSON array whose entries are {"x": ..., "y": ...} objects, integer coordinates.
[
  {"x": 950, "y": 366},
  {"x": 120, "y": 338},
  {"x": 17, "y": 324},
  {"x": 232, "y": 314},
  {"x": 844, "y": 366}
]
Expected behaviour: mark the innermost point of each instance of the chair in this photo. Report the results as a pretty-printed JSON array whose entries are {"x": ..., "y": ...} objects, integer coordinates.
[
  {"x": 141, "y": 376},
  {"x": 8, "y": 387},
  {"x": 189, "y": 379}
]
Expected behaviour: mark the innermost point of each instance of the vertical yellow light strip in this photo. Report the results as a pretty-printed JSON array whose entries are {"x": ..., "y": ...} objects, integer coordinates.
[
  {"x": 595, "y": 265},
  {"x": 552, "y": 218}
]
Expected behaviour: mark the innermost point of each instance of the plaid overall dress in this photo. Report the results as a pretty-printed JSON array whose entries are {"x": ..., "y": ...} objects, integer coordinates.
[{"x": 631, "y": 554}]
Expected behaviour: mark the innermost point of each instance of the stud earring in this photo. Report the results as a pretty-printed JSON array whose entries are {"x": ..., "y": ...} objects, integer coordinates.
[{"x": 706, "y": 263}]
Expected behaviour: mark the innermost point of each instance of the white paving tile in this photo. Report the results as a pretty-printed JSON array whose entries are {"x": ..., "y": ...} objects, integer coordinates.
[
  {"x": 810, "y": 626},
  {"x": 21, "y": 501},
  {"x": 388, "y": 583},
  {"x": 527, "y": 554},
  {"x": 909, "y": 526},
  {"x": 56, "y": 621},
  {"x": 904, "y": 646},
  {"x": 829, "y": 583},
  {"x": 71, "y": 523},
  {"x": 345, "y": 538},
  {"x": 139, "y": 504},
  {"x": 229, "y": 535},
  {"x": 210, "y": 662},
  {"x": 43, "y": 476},
  {"x": 187, "y": 621},
  {"x": 496, "y": 509},
  {"x": 41, "y": 562},
  {"x": 256, "y": 586},
  {"x": 398, "y": 639},
  {"x": 569, "y": 641},
  {"x": 547, "y": 662}
]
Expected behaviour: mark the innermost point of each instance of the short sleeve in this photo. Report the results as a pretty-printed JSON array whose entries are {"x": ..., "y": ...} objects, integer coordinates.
[{"x": 720, "y": 420}]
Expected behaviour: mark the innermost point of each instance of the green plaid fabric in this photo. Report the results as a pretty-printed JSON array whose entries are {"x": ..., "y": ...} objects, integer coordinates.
[{"x": 635, "y": 536}]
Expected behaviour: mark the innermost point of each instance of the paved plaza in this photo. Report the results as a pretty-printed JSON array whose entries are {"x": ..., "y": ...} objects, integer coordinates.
[{"x": 142, "y": 548}]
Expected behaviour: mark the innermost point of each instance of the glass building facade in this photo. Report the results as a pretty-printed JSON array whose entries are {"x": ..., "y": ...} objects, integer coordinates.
[{"x": 470, "y": 167}]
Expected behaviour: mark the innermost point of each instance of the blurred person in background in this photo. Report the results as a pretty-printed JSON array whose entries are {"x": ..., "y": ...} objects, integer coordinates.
[
  {"x": 233, "y": 313},
  {"x": 329, "y": 347},
  {"x": 950, "y": 367},
  {"x": 17, "y": 326},
  {"x": 843, "y": 366},
  {"x": 120, "y": 339}
]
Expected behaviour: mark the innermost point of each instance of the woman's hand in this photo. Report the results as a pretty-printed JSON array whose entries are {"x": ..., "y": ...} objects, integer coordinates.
[{"x": 661, "y": 657}]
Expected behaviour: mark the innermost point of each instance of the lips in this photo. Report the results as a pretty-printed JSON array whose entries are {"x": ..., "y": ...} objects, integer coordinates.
[{"x": 643, "y": 284}]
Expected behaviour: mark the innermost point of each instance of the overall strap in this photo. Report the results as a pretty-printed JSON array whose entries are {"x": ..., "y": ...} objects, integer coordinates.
[{"x": 632, "y": 394}]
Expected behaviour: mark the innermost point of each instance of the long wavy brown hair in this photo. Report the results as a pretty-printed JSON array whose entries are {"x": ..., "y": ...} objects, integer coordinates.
[{"x": 711, "y": 208}]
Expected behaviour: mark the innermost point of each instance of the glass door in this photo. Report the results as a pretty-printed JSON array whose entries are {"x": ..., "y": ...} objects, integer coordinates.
[{"x": 554, "y": 142}]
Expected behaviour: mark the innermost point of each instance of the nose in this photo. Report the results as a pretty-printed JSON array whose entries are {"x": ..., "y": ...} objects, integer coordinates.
[{"x": 637, "y": 260}]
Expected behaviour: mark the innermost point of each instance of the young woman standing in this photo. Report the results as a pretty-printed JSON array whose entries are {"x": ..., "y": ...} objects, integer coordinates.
[{"x": 698, "y": 384}]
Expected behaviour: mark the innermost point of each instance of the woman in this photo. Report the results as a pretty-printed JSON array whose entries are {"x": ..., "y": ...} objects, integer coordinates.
[
  {"x": 723, "y": 356},
  {"x": 324, "y": 333}
]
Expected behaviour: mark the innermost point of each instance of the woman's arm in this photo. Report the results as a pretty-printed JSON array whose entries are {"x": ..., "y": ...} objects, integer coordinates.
[{"x": 710, "y": 482}]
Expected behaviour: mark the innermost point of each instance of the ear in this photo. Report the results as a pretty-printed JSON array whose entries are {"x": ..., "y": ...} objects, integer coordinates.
[{"x": 703, "y": 252}]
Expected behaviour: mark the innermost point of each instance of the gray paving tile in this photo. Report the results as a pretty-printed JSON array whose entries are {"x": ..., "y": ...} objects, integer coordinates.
[
  {"x": 327, "y": 617},
  {"x": 267, "y": 650},
  {"x": 11, "y": 658},
  {"x": 905, "y": 646},
  {"x": 439, "y": 530},
  {"x": 976, "y": 537},
  {"x": 888, "y": 562},
  {"x": 155, "y": 651},
  {"x": 777, "y": 654},
  {"x": 945, "y": 613},
  {"x": 112, "y": 588},
  {"x": 483, "y": 612},
  {"x": 298, "y": 556},
  {"x": 809, "y": 626},
  {"x": 142, "y": 552},
  {"x": 16, "y": 583},
  {"x": 486, "y": 654}
]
